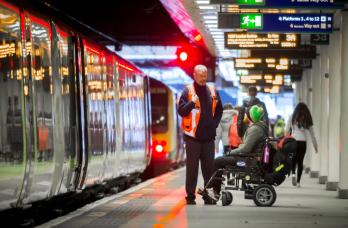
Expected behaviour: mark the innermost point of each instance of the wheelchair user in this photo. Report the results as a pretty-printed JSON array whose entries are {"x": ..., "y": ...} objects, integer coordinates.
[{"x": 253, "y": 143}]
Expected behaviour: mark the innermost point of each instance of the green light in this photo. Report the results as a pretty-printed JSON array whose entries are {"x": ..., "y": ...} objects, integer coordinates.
[
  {"x": 250, "y": 2},
  {"x": 251, "y": 21}
]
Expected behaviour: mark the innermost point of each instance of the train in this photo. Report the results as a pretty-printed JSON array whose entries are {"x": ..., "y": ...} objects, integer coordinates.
[
  {"x": 74, "y": 115},
  {"x": 168, "y": 150}
]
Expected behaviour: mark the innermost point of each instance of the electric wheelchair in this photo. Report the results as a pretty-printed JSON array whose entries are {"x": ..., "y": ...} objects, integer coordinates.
[{"x": 256, "y": 174}]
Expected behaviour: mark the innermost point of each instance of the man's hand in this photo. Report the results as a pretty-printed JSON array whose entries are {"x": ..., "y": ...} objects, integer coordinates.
[{"x": 194, "y": 98}]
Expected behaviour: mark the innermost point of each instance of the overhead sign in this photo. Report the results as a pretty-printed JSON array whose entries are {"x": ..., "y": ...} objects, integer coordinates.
[
  {"x": 262, "y": 79},
  {"x": 243, "y": 40},
  {"x": 251, "y": 21},
  {"x": 283, "y": 3},
  {"x": 251, "y": 2},
  {"x": 295, "y": 73},
  {"x": 281, "y": 64},
  {"x": 302, "y": 52},
  {"x": 320, "y": 39},
  {"x": 285, "y": 23}
]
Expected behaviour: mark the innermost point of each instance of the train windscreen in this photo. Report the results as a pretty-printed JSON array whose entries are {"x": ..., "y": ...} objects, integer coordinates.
[{"x": 159, "y": 109}]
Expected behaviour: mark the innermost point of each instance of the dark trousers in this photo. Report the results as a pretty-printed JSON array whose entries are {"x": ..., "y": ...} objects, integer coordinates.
[
  {"x": 298, "y": 159},
  {"x": 219, "y": 163},
  {"x": 195, "y": 152}
]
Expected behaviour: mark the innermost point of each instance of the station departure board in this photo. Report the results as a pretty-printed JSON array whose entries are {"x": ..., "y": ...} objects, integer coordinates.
[{"x": 243, "y": 40}]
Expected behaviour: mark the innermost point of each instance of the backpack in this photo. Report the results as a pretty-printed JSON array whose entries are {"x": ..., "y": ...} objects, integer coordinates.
[
  {"x": 233, "y": 138},
  {"x": 282, "y": 161}
]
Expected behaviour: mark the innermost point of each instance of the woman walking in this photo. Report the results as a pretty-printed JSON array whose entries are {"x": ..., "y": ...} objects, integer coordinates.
[{"x": 300, "y": 123}]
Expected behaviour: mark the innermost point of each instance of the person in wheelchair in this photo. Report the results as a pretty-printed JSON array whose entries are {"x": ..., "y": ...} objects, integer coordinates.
[{"x": 252, "y": 146}]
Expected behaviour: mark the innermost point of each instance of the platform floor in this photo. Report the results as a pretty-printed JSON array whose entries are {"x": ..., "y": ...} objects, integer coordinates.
[{"x": 160, "y": 202}]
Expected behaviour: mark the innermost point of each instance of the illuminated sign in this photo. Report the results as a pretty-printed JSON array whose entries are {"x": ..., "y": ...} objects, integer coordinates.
[
  {"x": 251, "y": 21},
  {"x": 243, "y": 40},
  {"x": 273, "y": 89},
  {"x": 250, "y": 2},
  {"x": 291, "y": 23},
  {"x": 320, "y": 39},
  {"x": 283, "y": 3},
  {"x": 294, "y": 73},
  {"x": 302, "y": 52},
  {"x": 275, "y": 64},
  {"x": 262, "y": 79}
]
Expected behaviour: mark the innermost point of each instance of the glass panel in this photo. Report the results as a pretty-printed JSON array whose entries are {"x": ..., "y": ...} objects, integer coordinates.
[
  {"x": 64, "y": 157},
  {"x": 42, "y": 94},
  {"x": 110, "y": 106},
  {"x": 96, "y": 85},
  {"x": 159, "y": 107},
  {"x": 12, "y": 155},
  {"x": 124, "y": 120}
]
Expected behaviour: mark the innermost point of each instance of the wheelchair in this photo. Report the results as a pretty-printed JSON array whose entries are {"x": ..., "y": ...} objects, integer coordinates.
[{"x": 253, "y": 175}]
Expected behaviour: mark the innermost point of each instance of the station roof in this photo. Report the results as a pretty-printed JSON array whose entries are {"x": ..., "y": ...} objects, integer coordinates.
[{"x": 133, "y": 22}]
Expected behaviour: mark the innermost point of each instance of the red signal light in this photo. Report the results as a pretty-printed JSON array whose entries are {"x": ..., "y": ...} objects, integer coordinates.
[
  {"x": 183, "y": 56},
  {"x": 159, "y": 146}
]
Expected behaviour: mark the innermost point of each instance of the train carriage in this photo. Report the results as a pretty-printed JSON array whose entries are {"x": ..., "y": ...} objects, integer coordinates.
[{"x": 73, "y": 114}]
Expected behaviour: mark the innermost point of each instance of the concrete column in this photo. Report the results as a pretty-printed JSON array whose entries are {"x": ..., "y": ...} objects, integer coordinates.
[
  {"x": 304, "y": 81},
  {"x": 304, "y": 86},
  {"x": 316, "y": 109},
  {"x": 297, "y": 91},
  {"x": 343, "y": 183},
  {"x": 334, "y": 117},
  {"x": 309, "y": 104},
  {"x": 324, "y": 118},
  {"x": 310, "y": 90}
]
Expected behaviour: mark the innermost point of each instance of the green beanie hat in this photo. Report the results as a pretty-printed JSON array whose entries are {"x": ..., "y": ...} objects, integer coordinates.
[{"x": 256, "y": 113}]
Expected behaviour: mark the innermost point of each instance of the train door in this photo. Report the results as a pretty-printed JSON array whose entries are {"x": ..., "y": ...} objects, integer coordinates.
[
  {"x": 81, "y": 144},
  {"x": 13, "y": 95},
  {"x": 147, "y": 108},
  {"x": 111, "y": 160},
  {"x": 64, "y": 113},
  {"x": 95, "y": 110}
]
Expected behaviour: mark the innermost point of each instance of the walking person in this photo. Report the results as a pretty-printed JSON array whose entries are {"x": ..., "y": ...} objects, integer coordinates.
[
  {"x": 201, "y": 110},
  {"x": 223, "y": 130},
  {"x": 298, "y": 124}
]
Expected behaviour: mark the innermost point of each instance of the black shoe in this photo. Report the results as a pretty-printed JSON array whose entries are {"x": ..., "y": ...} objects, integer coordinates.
[{"x": 190, "y": 202}]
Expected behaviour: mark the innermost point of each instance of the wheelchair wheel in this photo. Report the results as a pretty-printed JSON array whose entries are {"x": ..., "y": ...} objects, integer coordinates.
[
  {"x": 226, "y": 198},
  {"x": 264, "y": 195}
]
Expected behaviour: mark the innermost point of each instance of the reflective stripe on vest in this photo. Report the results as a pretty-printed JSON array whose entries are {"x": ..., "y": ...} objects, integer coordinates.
[{"x": 190, "y": 122}]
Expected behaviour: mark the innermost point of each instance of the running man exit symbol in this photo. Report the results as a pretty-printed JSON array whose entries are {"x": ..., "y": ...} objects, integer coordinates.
[
  {"x": 251, "y": 2},
  {"x": 251, "y": 21}
]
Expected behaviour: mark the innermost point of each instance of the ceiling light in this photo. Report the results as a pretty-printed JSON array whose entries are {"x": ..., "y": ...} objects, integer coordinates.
[
  {"x": 210, "y": 17},
  {"x": 202, "y": 1}
]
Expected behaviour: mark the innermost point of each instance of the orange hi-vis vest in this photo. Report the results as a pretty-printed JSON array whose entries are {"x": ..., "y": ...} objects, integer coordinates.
[{"x": 190, "y": 122}]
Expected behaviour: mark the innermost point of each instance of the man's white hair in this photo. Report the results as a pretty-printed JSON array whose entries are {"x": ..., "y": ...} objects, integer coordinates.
[{"x": 200, "y": 68}]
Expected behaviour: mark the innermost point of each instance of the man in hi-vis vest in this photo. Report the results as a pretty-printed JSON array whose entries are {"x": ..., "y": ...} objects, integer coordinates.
[{"x": 201, "y": 110}]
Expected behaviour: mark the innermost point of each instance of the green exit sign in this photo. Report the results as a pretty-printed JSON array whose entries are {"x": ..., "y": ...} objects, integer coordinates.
[
  {"x": 250, "y": 2},
  {"x": 251, "y": 21}
]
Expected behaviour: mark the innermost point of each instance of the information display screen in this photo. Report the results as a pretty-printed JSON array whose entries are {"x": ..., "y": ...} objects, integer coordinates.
[
  {"x": 280, "y": 64},
  {"x": 243, "y": 40},
  {"x": 324, "y": 4},
  {"x": 262, "y": 79},
  {"x": 284, "y": 23}
]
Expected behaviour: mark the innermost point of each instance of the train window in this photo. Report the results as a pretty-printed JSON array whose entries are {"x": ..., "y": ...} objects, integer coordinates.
[
  {"x": 159, "y": 109},
  {"x": 95, "y": 100},
  {"x": 11, "y": 92},
  {"x": 42, "y": 77},
  {"x": 110, "y": 105}
]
